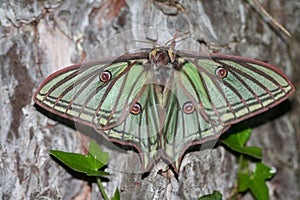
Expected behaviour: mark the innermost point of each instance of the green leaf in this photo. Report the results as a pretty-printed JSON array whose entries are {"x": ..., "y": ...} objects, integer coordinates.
[
  {"x": 239, "y": 138},
  {"x": 244, "y": 181},
  {"x": 216, "y": 195},
  {"x": 88, "y": 164},
  {"x": 263, "y": 171},
  {"x": 96, "y": 152},
  {"x": 116, "y": 195},
  {"x": 243, "y": 136},
  {"x": 257, "y": 184},
  {"x": 237, "y": 141},
  {"x": 259, "y": 189}
]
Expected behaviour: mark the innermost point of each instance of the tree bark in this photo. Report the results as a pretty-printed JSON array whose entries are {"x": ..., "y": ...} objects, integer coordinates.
[{"x": 40, "y": 37}]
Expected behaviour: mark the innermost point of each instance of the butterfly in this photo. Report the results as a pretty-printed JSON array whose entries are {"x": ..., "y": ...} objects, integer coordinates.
[{"x": 162, "y": 101}]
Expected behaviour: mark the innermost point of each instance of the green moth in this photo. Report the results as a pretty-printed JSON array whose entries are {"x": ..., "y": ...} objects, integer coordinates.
[{"x": 162, "y": 101}]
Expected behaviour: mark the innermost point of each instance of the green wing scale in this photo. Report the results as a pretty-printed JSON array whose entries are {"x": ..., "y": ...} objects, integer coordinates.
[{"x": 162, "y": 101}]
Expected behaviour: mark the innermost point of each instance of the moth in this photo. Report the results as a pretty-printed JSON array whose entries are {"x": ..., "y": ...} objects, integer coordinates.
[{"x": 162, "y": 101}]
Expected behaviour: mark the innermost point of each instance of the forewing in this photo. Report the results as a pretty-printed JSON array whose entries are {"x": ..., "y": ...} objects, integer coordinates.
[
  {"x": 78, "y": 93},
  {"x": 250, "y": 86}
]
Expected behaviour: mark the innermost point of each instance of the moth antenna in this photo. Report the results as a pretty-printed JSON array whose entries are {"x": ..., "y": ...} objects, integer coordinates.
[
  {"x": 147, "y": 42},
  {"x": 173, "y": 40}
]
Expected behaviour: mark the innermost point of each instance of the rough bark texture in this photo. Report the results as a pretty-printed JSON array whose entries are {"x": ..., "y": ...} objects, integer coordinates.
[{"x": 39, "y": 37}]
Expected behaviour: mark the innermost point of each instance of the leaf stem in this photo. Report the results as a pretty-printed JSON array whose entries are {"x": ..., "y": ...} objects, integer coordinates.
[
  {"x": 240, "y": 168},
  {"x": 104, "y": 195}
]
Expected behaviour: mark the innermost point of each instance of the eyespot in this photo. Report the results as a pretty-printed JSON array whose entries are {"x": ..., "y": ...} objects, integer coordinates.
[
  {"x": 221, "y": 72},
  {"x": 136, "y": 109},
  {"x": 188, "y": 108},
  {"x": 105, "y": 76}
]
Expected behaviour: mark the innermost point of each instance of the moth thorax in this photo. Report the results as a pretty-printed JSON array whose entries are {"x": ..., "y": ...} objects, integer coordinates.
[
  {"x": 162, "y": 56},
  {"x": 162, "y": 74}
]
